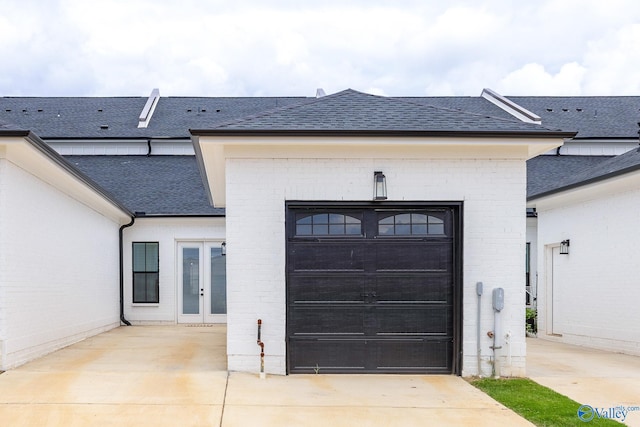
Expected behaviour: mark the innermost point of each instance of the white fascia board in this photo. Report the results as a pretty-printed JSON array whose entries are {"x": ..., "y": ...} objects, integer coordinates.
[
  {"x": 328, "y": 147},
  {"x": 30, "y": 154},
  {"x": 211, "y": 162},
  {"x": 212, "y": 151}
]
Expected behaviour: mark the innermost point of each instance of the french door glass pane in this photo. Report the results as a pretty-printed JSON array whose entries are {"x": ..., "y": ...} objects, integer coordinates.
[
  {"x": 218, "y": 282},
  {"x": 191, "y": 281}
]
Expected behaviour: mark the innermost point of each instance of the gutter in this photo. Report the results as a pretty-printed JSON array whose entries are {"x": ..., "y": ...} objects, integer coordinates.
[{"x": 383, "y": 133}]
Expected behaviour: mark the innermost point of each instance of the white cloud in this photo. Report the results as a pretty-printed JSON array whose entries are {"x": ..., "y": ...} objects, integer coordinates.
[
  {"x": 285, "y": 47},
  {"x": 534, "y": 79},
  {"x": 614, "y": 63}
]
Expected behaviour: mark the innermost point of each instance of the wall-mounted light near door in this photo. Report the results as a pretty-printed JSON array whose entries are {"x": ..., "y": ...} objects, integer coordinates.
[
  {"x": 379, "y": 186},
  {"x": 564, "y": 247},
  {"x": 223, "y": 248}
]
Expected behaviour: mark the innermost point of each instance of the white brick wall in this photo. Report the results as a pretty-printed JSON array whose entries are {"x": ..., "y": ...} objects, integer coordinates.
[
  {"x": 58, "y": 268},
  {"x": 493, "y": 192},
  {"x": 595, "y": 290},
  {"x": 167, "y": 232}
]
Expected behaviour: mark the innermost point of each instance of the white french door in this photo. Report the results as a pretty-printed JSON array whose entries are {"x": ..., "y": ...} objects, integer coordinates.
[{"x": 201, "y": 283}]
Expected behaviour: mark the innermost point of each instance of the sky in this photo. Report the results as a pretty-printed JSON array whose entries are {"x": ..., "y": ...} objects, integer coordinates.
[{"x": 287, "y": 47}]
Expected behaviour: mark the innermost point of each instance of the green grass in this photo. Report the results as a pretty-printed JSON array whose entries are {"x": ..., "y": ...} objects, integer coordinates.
[{"x": 538, "y": 404}]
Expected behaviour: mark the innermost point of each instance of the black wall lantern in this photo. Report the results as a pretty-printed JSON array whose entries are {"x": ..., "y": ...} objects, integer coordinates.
[
  {"x": 379, "y": 186},
  {"x": 223, "y": 248},
  {"x": 564, "y": 247}
]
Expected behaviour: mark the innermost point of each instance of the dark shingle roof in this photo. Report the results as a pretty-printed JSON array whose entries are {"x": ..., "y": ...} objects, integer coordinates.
[
  {"x": 86, "y": 117},
  {"x": 469, "y": 104},
  {"x": 75, "y": 117},
  {"x": 549, "y": 173},
  {"x": 156, "y": 185},
  {"x": 592, "y": 116},
  {"x": 176, "y": 115},
  {"x": 117, "y": 117},
  {"x": 608, "y": 168},
  {"x": 350, "y": 110}
]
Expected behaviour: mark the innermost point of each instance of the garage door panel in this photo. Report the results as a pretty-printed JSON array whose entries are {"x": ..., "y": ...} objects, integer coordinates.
[
  {"x": 328, "y": 320},
  {"x": 327, "y": 355},
  {"x": 422, "y": 320},
  {"x": 317, "y": 288},
  {"x": 416, "y": 355},
  {"x": 425, "y": 256},
  {"x": 414, "y": 289},
  {"x": 327, "y": 256},
  {"x": 380, "y": 300}
]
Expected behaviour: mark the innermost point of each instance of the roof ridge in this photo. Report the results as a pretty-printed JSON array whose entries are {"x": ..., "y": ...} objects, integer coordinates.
[
  {"x": 306, "y": 101},
  {"x": 349, "y": 91}
]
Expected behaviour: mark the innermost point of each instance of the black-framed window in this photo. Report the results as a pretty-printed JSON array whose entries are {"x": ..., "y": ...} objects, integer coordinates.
[
  {"x": 410, "y": 224},
  {"x": 146, "y": 272},
  {"x": 328, "y": 224}
]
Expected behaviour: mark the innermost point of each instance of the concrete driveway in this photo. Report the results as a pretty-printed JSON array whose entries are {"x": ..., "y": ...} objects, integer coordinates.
[
  {"x": 176, "y": 375},
  {"x": 591, "y": 377}
]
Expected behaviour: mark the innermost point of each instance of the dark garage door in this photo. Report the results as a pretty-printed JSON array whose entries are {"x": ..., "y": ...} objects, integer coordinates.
[{"x": 372, "y": 288}]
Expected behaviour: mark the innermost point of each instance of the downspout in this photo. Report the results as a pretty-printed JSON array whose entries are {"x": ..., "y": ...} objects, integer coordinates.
[
  {"x": 261, "y": 344},
  {"x": 122, "y": 318},
  {"x": 478, "y": 320}
]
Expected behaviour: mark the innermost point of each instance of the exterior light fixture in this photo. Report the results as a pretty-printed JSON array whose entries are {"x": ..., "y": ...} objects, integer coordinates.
[
  {"x": 564, "y": 247},
  {"x": 223, "y": 248},
  {"x": 379, "y": 186}
]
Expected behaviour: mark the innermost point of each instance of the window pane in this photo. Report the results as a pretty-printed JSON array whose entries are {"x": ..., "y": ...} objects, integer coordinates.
[
  {"x": 304, "y": 219},
  {"x": 436, "y": 225},
  {"x": 403, "y": 230},
  {"x": 321, "y": 219},
  {"x": 190, "y": 281},
  {"x": 324, "y": 224},
  {"x": 336, "y": 219},
  {"x": 139, "y": 287},
  {"x": 419, "y": 229},
  {"x": 403, "y": 219},
  {"x": 151, "y": 257},
  {"x": 336, "y": 229},
  {"x": 353, "y": 229},
  {"x": 152, "y": 287},
  {"x": 387, "y": 220},
  {"x": 218, "y": 282},
  {"x": 385, "y": 230},
  {"x": 351, "y": 219},
  {"x": 436, "y": 228},
  {"x": 145, "y": 288},
  {"x": 418, "y": 218},
  {"x": 145, "y": 256},
  {"x": 139, "y": 256},
  {"x": 320, "y": 229},
  {"x": 435, "y": 220},
  {"x": 303, "y": 230}
]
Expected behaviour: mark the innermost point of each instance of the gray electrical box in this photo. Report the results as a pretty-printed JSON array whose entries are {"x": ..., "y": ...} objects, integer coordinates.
[
  {"x": 479, "y": 288},
  {"x": 498, "y": 299}
]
